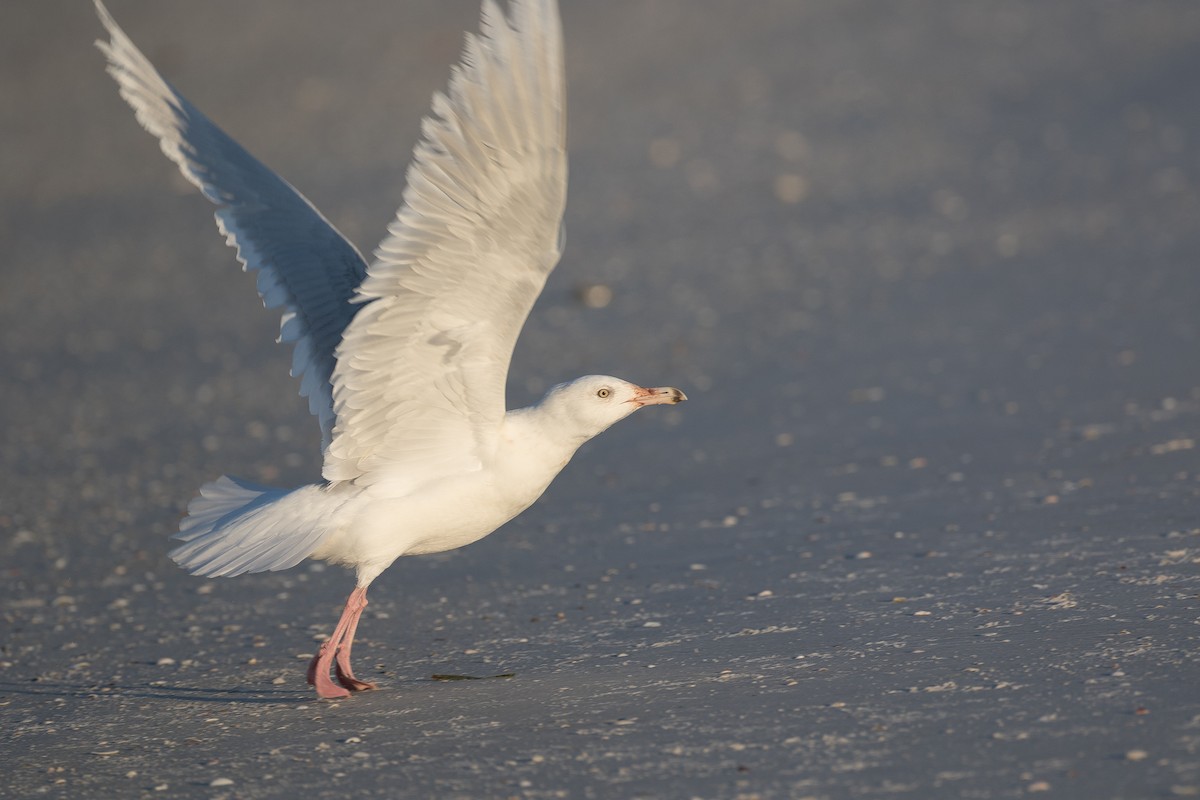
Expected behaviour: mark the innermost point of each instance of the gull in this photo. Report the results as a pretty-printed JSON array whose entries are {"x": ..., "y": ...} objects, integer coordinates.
[{"x": 404, "y": 359}]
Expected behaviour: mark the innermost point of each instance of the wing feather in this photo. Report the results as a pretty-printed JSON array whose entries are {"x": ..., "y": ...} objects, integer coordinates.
[
  {"x": 419, "y": 383},
  {"x": 304, "y": 265}
]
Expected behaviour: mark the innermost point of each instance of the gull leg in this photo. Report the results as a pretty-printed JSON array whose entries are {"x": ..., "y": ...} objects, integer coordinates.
[
  {"x": 341, "y": 664},
  {"x": 318, "y": 668}
]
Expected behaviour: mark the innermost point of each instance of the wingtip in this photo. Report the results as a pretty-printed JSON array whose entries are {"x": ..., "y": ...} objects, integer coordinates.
[
  {"x": 107, "y": 21},
  {"x": 117, "y": 40},
  {"x": 106, "y": 18}
]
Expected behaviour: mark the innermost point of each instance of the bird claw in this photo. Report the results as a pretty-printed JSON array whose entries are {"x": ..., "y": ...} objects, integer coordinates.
[{"x": 352, "y": 683}]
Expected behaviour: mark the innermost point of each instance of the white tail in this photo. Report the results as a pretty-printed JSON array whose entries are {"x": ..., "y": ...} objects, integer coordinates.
[{"x": 234, "y": 527}]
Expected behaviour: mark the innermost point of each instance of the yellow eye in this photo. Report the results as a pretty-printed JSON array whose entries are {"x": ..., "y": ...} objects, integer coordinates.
[{"x": 604, "y": 393}]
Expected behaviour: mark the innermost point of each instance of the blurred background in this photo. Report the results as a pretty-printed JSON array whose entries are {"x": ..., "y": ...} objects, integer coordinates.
[{"x": 927, "y": 271}]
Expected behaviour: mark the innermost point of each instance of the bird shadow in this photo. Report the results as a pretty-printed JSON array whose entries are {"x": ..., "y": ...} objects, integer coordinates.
[
  {"x": 158, "y": 692},
  {"x": 199, "y": 694}
]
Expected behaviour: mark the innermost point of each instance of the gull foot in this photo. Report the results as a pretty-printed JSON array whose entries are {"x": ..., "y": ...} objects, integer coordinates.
[{"x": 352, "y": 683}]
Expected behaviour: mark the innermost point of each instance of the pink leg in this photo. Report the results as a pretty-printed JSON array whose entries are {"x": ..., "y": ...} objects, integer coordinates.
[
  {"x": 341, "y": 663},
  {"x": 318, "y": 668}
]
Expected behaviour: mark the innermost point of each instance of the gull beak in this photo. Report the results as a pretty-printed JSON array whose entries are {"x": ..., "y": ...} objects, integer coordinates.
[{"x": 660, "y": 395}]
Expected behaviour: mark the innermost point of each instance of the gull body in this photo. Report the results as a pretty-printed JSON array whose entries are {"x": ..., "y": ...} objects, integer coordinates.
[
  {"x": 404, "y": 359},
  {"x": 370, "y": 528}
]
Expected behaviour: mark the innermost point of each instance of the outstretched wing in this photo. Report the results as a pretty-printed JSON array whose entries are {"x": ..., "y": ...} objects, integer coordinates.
[
  {"x": 304, "y": 265},
  {"x": 419, "y": 384}
]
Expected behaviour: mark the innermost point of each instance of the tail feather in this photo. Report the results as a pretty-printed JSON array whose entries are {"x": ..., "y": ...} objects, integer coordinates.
[{"x": 234, "y": 527}]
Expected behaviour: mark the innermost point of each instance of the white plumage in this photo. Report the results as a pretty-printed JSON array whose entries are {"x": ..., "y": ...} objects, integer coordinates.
[{"x": 404, "y": 362}]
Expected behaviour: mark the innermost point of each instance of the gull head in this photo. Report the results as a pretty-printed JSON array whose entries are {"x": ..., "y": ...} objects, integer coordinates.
[{"x": 589, "y": 405}]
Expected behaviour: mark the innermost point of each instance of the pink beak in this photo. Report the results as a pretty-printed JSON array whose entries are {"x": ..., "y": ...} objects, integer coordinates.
[{"x": 661, "y": 395}]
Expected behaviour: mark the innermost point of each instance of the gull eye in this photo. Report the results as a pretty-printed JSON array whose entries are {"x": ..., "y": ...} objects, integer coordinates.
[{"x": 604, "y": 393}]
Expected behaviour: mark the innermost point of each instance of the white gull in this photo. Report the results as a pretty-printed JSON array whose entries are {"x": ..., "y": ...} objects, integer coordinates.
[{"x": 404, "y": 360}]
